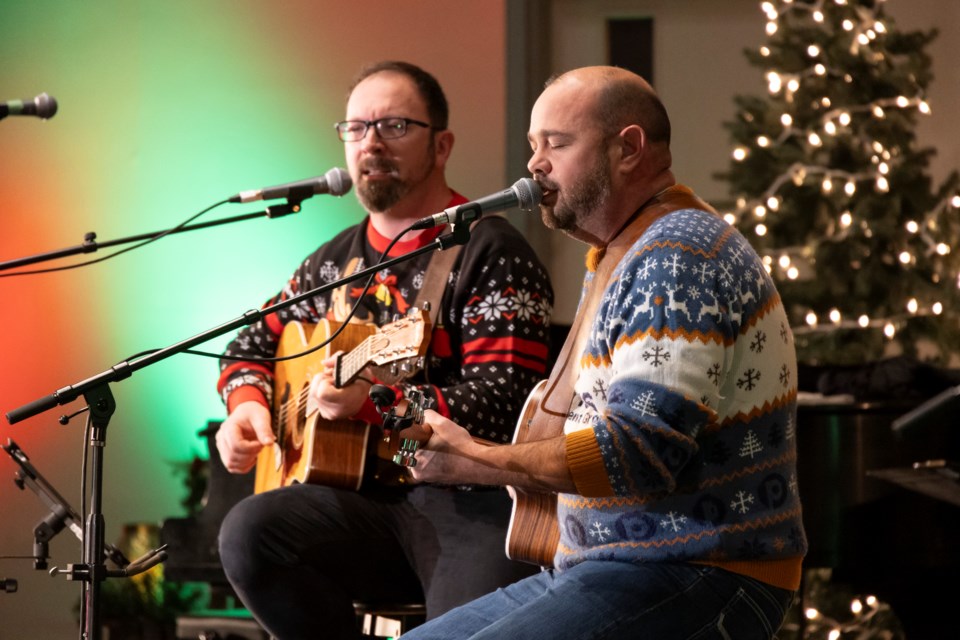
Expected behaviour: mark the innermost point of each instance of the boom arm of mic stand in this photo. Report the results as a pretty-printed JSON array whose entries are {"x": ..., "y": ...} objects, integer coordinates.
[
  {"x": 460, "y": 235},
  {"x": 144, "y": 563},
  {"x": 90, "y": 244}
]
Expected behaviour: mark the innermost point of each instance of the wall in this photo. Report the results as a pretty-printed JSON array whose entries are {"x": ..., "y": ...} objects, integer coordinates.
[{"x": 166, "y": 107}]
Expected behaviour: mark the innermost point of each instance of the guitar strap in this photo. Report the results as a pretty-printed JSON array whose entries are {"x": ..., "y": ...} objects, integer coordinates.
[
  {"x": 435, "y": 281},
  {"x": 559, "y": 394}
]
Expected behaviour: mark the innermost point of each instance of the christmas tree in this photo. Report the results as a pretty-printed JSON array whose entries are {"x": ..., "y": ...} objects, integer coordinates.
[{"x": 832, "y": 189}]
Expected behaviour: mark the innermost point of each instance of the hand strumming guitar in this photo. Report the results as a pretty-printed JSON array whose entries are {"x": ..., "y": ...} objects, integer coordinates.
[{"x": 243, "y": 434}]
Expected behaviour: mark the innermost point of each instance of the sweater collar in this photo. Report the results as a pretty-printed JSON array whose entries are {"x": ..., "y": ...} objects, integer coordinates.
[{"x": 380, "y": 242}]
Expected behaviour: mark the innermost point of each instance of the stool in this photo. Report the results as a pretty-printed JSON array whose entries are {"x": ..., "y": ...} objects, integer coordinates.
[
  {"x": 227, "y": 624},
  {"x": 389, "y": 619}
]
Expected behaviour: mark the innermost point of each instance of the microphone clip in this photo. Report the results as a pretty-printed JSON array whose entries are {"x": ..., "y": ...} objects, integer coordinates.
[
  {"x": 280, "y": 210},
  {"x": 467, "y": 213}
]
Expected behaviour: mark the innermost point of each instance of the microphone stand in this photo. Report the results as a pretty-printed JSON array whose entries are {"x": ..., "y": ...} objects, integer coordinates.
[
  {"x": 90, "y": 243},
  {"x": 96, "y": 392}
]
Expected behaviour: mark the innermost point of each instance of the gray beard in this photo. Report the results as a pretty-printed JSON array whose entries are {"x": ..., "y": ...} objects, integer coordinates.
[{"x": 581, "y": 200}]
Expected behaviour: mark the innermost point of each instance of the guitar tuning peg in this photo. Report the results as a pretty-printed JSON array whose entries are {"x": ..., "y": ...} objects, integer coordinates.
[{"x": 404, "y": 456}]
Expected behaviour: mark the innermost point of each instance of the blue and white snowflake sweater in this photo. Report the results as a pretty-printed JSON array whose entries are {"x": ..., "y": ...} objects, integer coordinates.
[{"x": 682, "y": 438}]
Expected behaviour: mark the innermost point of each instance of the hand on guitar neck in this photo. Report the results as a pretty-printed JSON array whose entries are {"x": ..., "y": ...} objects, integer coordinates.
[
  {"x": 451, "y": 455},
  {"x": 336, "y": 402}
]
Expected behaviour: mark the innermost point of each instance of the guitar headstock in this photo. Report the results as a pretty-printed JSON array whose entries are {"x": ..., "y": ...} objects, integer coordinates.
[
  {"x": 396, "y": 351},
  {"x": 398, "y": 370},
  {"x": 413, "y": 415},
  {"x": 402, "y": 339},
  {"x": 384, "y": 397}
]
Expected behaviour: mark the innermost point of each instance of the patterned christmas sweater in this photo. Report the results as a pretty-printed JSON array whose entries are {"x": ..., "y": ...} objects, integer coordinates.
[
  {"x": 682, "y": 437},
  {"x": 489, "y": 344}
]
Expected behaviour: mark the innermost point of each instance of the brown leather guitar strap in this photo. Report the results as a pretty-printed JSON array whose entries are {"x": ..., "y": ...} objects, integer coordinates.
[
  {"x": 435, "y": 280},
  {"x": 559, "y": 393}
]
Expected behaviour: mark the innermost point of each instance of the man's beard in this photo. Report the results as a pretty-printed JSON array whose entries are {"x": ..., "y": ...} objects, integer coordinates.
[
  {"x": 579, "y": 201},
  {"x": 380, "y": 195}
]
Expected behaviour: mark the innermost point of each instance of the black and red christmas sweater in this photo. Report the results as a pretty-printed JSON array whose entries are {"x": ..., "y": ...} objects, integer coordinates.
[{"x": 489, "y": 344}]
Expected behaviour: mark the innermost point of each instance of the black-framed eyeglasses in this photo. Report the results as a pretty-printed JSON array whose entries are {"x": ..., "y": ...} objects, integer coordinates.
[{"x": 387, "y": 128}]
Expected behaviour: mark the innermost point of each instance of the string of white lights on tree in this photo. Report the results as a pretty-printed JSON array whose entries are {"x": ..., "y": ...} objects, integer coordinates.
[{"x": 830, "y": 186}]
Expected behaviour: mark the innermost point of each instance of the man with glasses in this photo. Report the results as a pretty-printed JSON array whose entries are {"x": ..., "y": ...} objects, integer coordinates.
[{"x": 298, "y": 556}]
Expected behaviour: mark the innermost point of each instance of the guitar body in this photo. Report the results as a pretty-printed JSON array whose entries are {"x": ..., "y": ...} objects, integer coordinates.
[
  {"x": 534, "y": 532},
  {"x": 310, "y": 449}
]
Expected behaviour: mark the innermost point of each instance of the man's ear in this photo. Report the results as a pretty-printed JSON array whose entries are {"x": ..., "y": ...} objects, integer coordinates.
[
  {"x": 633, "y": 143},
  {"x": 443, "y": 145}
]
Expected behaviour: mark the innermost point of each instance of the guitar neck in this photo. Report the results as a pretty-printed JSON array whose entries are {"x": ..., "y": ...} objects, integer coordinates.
[{"x": 350, "y": 364}]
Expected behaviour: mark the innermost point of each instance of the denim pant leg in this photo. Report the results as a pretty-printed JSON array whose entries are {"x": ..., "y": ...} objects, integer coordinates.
[{"x": 608, "y": 600}]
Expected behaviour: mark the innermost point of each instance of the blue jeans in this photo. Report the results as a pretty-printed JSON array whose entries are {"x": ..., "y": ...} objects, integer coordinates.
[{"x": 598, "y": 600}]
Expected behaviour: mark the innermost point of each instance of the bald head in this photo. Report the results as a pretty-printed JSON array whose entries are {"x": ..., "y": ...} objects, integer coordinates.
[
  {"x": 621, "y": 98},
  {"x": 601, "y": 148}
]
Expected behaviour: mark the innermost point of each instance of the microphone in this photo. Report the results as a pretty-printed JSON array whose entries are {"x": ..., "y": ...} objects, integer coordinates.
[
  {"x": 43, "y": 106},
  {"x": 525, "y": 194},
  {"x": 335, "y": 182}
]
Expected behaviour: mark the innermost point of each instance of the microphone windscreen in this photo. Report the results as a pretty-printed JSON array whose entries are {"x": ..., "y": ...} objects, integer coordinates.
[
  {"x": 46, "y": 106},
  {"x": 338, "y": 181},
  {"x": 528, "y": 192}
]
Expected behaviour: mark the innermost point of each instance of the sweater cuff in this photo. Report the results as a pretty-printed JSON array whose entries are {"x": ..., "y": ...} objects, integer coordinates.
[
  {"x": 245, "y": 394},
  {"x": 586, "y": 464}
]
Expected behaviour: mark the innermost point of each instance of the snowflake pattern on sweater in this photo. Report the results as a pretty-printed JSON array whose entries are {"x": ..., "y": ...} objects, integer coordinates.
[
  {"x": 688, "y": 381},
  {"x": 489, "y": 345}
]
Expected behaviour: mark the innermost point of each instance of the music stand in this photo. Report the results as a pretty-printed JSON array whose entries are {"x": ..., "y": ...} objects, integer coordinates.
[{"x": 938, "y": 479}]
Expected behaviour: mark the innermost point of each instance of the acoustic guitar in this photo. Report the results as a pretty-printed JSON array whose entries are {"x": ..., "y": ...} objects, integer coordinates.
[
  {"x": 534, "y": 531},
  {"x": 309, "y": 449}
]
